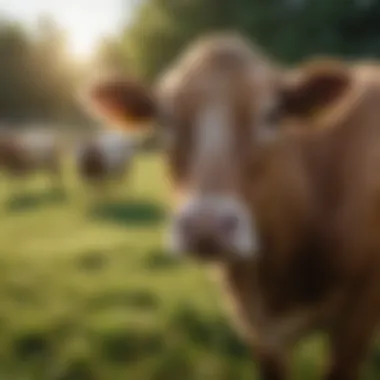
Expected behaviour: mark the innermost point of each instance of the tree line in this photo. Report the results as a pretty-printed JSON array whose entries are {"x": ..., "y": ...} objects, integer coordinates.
[
  {"x": 39, "y": 79},
  {"x": 36, "y": 81},
  {"x": 288, "y": 30}
]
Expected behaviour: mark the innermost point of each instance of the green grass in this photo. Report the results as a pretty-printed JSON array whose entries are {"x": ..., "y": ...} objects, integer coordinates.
[{"x": 86, "y": 292}]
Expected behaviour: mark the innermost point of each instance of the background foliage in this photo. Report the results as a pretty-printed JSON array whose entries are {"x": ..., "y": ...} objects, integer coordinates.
[
  {"x": 38, "y": 79},
  {"x": 289, "y": 30}
]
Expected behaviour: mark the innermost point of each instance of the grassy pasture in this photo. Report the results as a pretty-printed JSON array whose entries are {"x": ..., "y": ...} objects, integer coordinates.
[{"x": 86, "y": 292}]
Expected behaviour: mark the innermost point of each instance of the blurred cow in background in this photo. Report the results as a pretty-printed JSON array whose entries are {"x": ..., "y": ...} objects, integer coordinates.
[
  {"x": 104, "y": 158},
  {"x": 25, "y": 153}
]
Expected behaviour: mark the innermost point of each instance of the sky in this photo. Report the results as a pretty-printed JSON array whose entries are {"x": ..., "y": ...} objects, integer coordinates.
[{"x": 85, "y": 21}]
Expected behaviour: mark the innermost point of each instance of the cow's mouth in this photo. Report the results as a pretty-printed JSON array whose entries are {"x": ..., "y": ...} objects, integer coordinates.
[
  {"x": 209, "y": 250},
  {"x": 206, "y": 249}
]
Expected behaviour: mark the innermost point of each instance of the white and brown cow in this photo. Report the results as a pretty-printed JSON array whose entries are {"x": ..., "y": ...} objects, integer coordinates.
[
  {"x": 104, "y": 158},
  {"x": 25, "y": 153},
  {"x": 278, "y": 183}
]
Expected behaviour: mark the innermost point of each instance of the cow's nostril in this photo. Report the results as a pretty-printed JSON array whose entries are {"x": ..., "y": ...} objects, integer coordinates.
[{"x": 229, "y": 224}]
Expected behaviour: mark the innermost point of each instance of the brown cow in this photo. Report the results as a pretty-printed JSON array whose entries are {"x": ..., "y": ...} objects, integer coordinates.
[{"x": 279, "y": 182}]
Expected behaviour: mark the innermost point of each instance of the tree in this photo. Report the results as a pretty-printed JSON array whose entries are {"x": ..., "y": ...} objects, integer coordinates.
[
  {"x": 37, "y": 79},
  {"x": 289, "y": 30}
]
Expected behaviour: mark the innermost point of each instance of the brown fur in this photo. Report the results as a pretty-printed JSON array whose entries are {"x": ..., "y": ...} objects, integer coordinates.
[{"x": 315, "y": 193}]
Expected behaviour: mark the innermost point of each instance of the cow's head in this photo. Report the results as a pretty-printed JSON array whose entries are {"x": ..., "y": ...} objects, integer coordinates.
[{"x": 217, "y": 109}]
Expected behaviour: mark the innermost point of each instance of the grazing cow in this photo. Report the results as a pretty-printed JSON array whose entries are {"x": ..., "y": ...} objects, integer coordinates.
[
  {"x": 278, "y": 176},
  {"x": 104, "y": 157},
  {"x": 25, "y": 153}
]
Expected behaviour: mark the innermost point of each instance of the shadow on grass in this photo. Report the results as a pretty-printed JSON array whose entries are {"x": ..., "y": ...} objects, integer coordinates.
[
  {"x": 136, "y": 212},
  {"x": 159, "y": 259},
  {"x": 32, "y": 344},
  {"x": 212, "y": 333},
  {"x": 31, "y": 201}
]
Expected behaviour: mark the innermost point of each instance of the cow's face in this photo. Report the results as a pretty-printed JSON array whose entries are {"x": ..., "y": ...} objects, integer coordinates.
[{"x": 218, "y": 110}]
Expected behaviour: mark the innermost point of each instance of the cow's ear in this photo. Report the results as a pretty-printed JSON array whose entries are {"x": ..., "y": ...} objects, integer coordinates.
[
  {"x": 314, "y": 88},
  {"x": 121, "y": 103}
]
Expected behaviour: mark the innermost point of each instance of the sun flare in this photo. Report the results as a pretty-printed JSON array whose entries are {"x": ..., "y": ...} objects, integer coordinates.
[{"x": 82, "y": 45}]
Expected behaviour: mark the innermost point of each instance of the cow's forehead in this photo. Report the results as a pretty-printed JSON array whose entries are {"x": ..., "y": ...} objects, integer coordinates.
[{"x": 208, "y": 63}]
